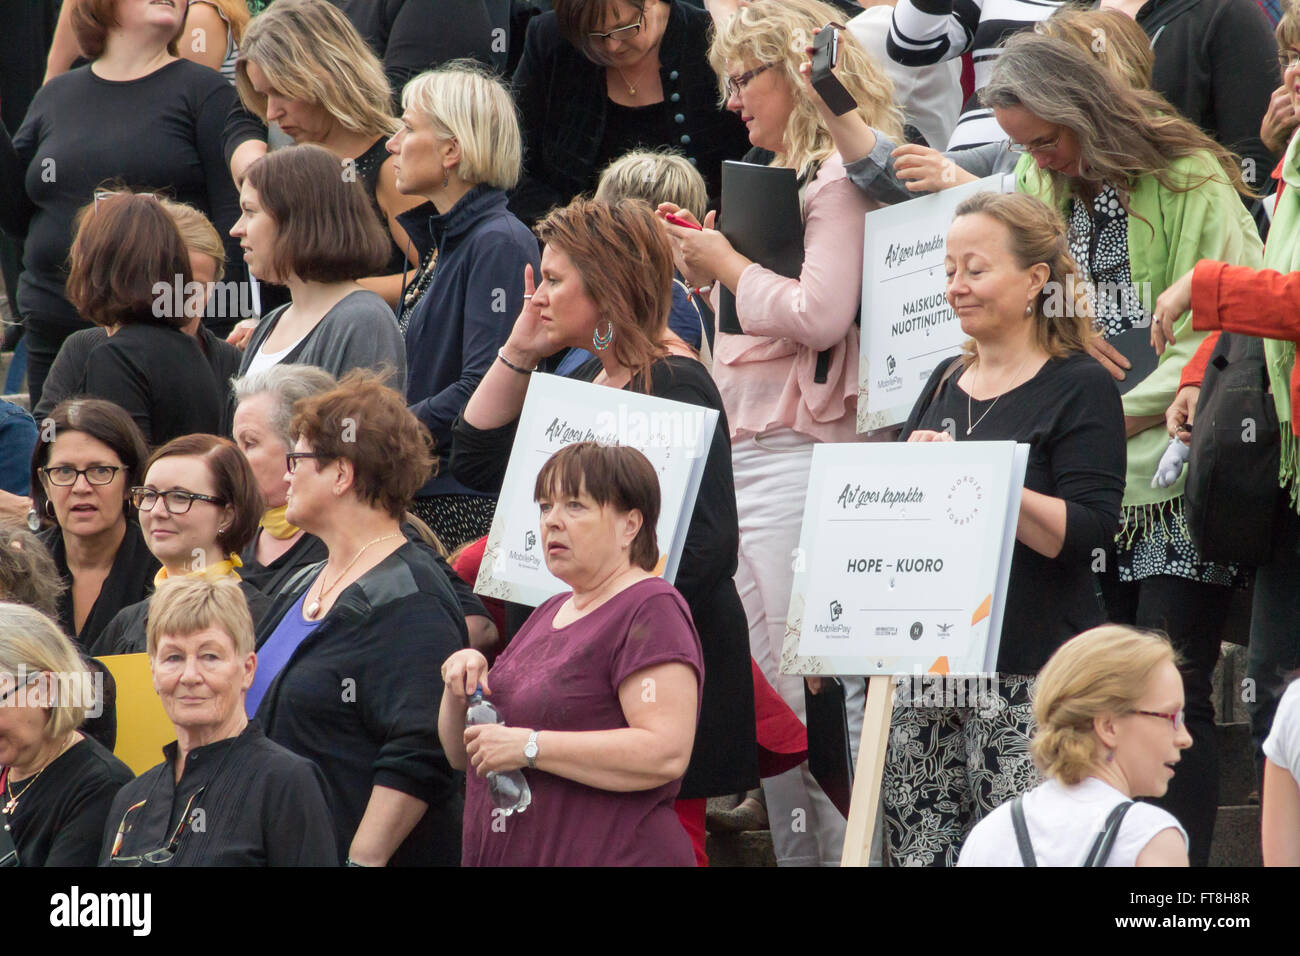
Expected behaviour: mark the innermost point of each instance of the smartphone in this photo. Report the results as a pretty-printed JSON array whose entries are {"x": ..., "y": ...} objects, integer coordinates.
[
  {"x": 679, "y": 221},
  {"x": 826, "y": 49}
]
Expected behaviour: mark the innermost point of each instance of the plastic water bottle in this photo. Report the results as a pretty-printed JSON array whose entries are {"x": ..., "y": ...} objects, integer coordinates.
[{"x": 510, "y": 791}]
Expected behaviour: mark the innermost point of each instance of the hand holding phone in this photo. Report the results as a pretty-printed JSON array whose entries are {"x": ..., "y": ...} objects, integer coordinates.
[{"x": 826, "y": 49}]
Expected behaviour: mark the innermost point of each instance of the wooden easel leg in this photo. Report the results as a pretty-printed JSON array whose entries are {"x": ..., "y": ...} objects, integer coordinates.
[{"x": 865, "y": 800}]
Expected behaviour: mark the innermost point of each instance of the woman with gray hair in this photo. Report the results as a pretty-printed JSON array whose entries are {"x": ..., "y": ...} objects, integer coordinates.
[
  {"x": 460, "y": 149},
  {"x": 263, "y": 408},
  {"x": 56, "y": 783},
  {"x": 1145, "y": 196}
]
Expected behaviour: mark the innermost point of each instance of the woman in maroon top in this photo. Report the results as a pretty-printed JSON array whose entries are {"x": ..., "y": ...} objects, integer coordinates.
[{"x": 600, "y": 688}]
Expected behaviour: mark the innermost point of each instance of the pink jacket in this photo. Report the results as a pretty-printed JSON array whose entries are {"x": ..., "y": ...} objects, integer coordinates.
[{"x": 766, "y": 378}]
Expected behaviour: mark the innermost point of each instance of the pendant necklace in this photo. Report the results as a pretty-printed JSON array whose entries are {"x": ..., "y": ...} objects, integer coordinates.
[
  {"x": 313, "y": 608},
  {"x": 971, "y": 427}
]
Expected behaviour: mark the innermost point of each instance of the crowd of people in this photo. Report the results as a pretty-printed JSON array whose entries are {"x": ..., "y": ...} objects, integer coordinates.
[{"x": 284, "y": 270}]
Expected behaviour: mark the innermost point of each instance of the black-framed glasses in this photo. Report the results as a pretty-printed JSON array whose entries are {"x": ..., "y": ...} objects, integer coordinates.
[
  {"x": 1034, "y": 147},
  {"x": 66, "y": 475},
  {"x": 737, "y": 83},
  {"x": 176, "y": 502},
  {"x": 622, "y": 33},
  {"x": 1288, "y": 58},
  {"x": 292, "y": 458},
  {"x": 31, "y": 678},
  {"x": 161, "y": 855},
  {"x": 1177, "y": 720}
]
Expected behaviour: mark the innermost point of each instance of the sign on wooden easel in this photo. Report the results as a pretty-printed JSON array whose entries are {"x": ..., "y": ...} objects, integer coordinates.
[{"x": 902, "y": 569}]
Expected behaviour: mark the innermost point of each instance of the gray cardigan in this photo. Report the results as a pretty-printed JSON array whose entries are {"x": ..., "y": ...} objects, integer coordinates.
[
  {"x": 359, "y": 332},
  {"x": 874, "y": 173}
]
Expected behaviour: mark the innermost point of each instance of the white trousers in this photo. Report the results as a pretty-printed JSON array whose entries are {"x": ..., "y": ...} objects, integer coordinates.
[{"x": 771, "y": 473}]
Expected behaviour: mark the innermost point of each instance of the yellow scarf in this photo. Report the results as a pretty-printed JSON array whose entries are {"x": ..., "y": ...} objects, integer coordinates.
[
  {"x": 218, "y": 570},
  {"x": 275, "y": 525}
]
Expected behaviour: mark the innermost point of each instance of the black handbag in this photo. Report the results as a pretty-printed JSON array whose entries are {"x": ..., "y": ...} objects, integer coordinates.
[{"x": 1232, "y": 493}]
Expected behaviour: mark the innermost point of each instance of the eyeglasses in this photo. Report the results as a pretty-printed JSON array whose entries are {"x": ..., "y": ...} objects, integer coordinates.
[
  {"x": 65, "y": 475},
  {"x": 622, "y": 33},
  {"x": 176, "y": 502},
  {"x": 1034, "y": 147},
  {"x": 291, "y": 460},
  {"x": 162, "y": 854},
  {"x": 737, "y": 83},
  {"x": 1178, "y": 720},
  {"x": 17, "y": 687},
  {"x": 1288, "y": 59}
]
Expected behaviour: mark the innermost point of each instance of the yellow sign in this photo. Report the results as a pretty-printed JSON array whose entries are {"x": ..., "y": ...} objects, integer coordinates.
[{"x": 142, "y": 725}]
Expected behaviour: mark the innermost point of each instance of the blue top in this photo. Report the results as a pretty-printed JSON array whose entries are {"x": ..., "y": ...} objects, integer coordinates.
[
  {"x": 17, "y": 439},
  {"x": 466, "y": 314},
  {"x": 292, "y": 630}
]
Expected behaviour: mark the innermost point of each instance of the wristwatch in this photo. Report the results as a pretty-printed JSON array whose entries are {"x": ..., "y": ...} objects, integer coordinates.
[{"x": 530, "y": 749}]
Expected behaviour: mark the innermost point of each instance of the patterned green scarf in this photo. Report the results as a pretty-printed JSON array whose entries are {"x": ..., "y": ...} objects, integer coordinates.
[{"x": 1282, "y": 253}]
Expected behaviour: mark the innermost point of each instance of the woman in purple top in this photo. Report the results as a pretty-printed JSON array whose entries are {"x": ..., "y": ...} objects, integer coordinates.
[{"x": 600, "y": 688}]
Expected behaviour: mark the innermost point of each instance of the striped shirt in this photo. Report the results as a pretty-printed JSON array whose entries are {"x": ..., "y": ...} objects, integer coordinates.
[
  {"x": 232, "y": 48},
  {"x": 930, "y": 31}
]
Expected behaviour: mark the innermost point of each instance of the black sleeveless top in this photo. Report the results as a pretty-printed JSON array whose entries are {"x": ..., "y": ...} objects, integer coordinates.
[{"x": 367, "y": 166}]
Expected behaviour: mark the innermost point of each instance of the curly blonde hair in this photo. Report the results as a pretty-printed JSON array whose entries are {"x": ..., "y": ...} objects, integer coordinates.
[
  {"x": 1102, "y": 671},
  {"x": 778, "y": 32}
]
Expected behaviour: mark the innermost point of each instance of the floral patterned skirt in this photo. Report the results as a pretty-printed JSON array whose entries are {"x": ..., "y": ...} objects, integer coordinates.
[{"x": 949, "y": 765}]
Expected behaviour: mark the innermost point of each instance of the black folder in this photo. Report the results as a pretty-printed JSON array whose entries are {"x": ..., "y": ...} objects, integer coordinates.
[
  {"x": 762, "y": 219},
  {"x": 1134, "y": 345},
  {"x": 830, "y": 758}
]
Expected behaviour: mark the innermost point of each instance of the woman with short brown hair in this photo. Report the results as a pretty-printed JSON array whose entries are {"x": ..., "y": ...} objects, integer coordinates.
[
  {"x": 304, "y": 226},
  {"x": 125, "y": 246},
  {"x": 199, "y": 506},
  {"x": 378, "y": 610},
  {"x": 607, "y": 277},
  {"x": 155, "y": 122}
]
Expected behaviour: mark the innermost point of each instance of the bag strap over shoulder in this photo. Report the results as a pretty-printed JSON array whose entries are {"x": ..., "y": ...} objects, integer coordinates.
[
  {"x": 1101, "y": 847},
  {"x": 1022, "y": 831}
]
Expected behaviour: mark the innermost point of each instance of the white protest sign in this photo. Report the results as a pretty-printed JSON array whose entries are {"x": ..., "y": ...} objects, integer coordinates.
[
  {"x": 906, "y": 553},
  {"x": 907, "y": 325},
  {"x": 674, "y": 436}
]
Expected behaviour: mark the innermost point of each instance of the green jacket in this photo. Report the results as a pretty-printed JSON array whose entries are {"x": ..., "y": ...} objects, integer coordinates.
[{"x": 1207, "y": 222}]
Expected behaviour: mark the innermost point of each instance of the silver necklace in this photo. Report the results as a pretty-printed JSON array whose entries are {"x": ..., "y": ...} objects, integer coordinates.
[{"x": 971, "y": 427}]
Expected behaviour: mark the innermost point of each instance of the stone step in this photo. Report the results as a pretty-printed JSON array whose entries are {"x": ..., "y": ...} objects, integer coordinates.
[
  {"x": 1236, "y": 837},
  {"x": 1237, "y": 779},
  {"x": 750, "y": 848}
]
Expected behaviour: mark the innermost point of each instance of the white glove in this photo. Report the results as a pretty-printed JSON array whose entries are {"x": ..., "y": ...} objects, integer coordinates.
[{"x": 1171, "y": 463}]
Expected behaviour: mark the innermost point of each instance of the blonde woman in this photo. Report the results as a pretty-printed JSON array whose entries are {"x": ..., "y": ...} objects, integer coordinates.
[
  {"x": 1109, "y": 708},
  {"x": 1025, "y": 377},
  {"x": 56, "y": 784},
  {"x": 458, "y": 148},
  {"x": 303, "y": 66},
  {"x": 791, "y": 380}
]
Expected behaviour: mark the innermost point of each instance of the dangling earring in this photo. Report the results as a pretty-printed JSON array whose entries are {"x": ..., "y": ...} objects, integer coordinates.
[
  {"x": 1110, "y": 755},
  {"x": 1029, "y": 309},
  {"x": 601, "y": 342}
]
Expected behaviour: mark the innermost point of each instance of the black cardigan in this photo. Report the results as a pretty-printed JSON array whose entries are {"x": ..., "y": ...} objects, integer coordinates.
[
  {"x": 725, "y": 758},
  {"x": 360, "y": 696},
  {"x": 129, "y": 580},
  {"x": 563, "y": 106}
]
